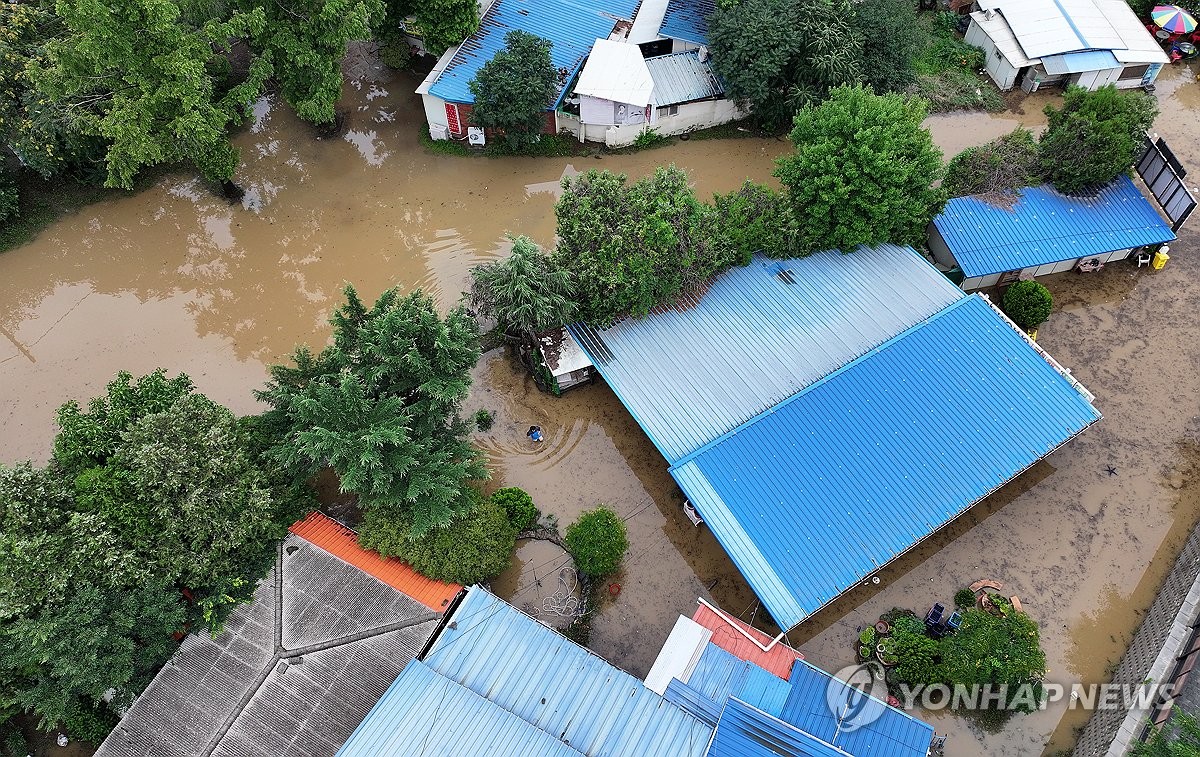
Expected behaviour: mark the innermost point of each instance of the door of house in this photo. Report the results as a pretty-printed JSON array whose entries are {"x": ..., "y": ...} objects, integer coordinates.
[{"x": 1008, "y": 277}]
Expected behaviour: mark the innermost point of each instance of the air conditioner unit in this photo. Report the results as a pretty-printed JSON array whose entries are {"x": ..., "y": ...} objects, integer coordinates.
[{"x": 439, "y": 131}]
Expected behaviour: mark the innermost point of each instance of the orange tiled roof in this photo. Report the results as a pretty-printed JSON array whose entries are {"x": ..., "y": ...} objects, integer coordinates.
[
  {"x": 341, "y": 542},
  {"x": 724, "y": 634}
]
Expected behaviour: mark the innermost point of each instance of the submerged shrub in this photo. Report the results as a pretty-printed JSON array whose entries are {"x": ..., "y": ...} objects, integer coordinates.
[{"x": 597, "y": 542}]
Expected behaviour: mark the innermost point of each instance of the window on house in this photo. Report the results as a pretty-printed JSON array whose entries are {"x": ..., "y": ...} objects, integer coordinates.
[{"x": 1134, "y": 72}]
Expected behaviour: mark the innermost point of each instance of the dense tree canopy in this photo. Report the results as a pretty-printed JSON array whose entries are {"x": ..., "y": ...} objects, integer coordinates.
[
  {"x": 306, "y": 40},
  {"x": 631, "y": 247},
  {"x": 526, "y": 292},
  {"x": 156, "y": 511},
  {"x": 891, "y": 41},
  {"x": 380, "y": 406},
  {"x": 781, "y": 55},
  {"x": 513, "y": 90},
  {"x": 134, "y": 74},
  {"x": 1000, "y": 166},
  {"x": 1094, "y": 137},
  {"x": 862, "y": 172}
]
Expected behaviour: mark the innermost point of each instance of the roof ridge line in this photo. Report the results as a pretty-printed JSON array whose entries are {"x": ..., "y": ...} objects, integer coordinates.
[{"x": 805, "y": 390}]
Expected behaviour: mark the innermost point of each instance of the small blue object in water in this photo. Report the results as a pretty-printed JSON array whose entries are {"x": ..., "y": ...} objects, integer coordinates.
[{"x": 534, "y": 433}]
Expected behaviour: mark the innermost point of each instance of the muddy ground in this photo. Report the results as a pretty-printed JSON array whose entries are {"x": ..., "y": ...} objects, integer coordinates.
[{"x": 175, "y": 277}]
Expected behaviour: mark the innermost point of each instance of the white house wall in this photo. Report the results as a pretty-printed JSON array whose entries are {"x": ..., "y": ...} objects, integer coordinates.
[
  {"x": 938, "y": 248},
  {"x": 435, "y": 111},
  {"x": 1062, "y": 266}
]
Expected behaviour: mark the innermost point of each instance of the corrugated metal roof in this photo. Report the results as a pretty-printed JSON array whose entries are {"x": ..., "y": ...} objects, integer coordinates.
[
  {"x": 1001, "y": 34},
  {"x": 826, "y": 488},
  {"x": 1044, "y": 226},
  {"x": 341, "y": 542},
  {"x": 761, "y": 333},
  {"x": 682, "y": 78},
  {"x": 1073, "y": 63},
  {"x": 552, "y": 683},
  {"x": 615, "y": 70},
  {"x": 893, "y": 733},
  {"x": 426, "y": 715},
  {"x": 1058, "y": 26},
  {"x": 693, "y": 702},
  {"x": 1139, "y": 46},
  {"x": 744, "y": 731},
  {"x": 687, "y": 20},
  {"x": 572, "y": 26},
  {"x": 725, "y": 634},
  {"x": 649, "y": 18},
  {"x": 720, "y": 675}
]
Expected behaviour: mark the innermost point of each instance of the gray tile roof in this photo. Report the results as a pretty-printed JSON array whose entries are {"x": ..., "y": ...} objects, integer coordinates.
[{"x": 293, "y": 673}]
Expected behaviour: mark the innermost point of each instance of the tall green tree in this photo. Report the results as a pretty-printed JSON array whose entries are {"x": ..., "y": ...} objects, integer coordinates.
[
  {"x": 306, "y": 40},
  {"x": 445, "y": 23},
  {"x": 1094, "y": 137},
  {"x": 381, "y": 407},
  {"x": 863, "y": 171},
  {"x": 632, "y": 247},
  {"x": 891, "y": 39},
  {"x": 514, "y": 89},
  {"x": 526, "y": 293},
  {"x": 133, "y": 74},
  {"x": 778, "y": 56}
]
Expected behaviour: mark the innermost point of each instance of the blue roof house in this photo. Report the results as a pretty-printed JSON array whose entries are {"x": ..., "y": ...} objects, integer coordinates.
[
  {"x": 1040, "y": 231},
  {"x": 826, "y": 414}
]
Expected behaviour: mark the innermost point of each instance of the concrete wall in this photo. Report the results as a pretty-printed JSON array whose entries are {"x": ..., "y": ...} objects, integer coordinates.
[
  {"x": 1150, "y": 655},
  {"x": 689, "y": 117},
  {"x": 937, "y": 247}
]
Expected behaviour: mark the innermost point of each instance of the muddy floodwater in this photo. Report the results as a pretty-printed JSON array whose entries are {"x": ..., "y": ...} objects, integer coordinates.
[{"x": 175, "y": 277}]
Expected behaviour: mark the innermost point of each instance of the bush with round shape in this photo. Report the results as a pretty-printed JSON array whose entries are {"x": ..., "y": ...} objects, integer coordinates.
[
  {"x": 522, "y": 513},
  {"x": 867, "y": 636},
  {"x": 597, "y": 542},
  {"x": 964, "y": 598},
  {"x": 1027, "y": 303}
]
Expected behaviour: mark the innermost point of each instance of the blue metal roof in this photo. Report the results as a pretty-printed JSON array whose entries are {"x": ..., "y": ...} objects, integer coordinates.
[
  {"x": 691, "y": 373},
  {"x": 693, "y": 702},
  {"x": 687, "y": 20},
  {"x": 546, "y": 680},
  {"x": 424, "y": 714},
  {"x": 1073, "y": 63},
  {"x": 825, "y": 488},
  {"x": 1044, "y": 226},
  {"x": 572, "y": 26},
  {"x": 744, "y": 731},
  {"x": 682, "y": 78},
  {"x": 892, "y": 732},
  {"x": 719, "y": 675}
]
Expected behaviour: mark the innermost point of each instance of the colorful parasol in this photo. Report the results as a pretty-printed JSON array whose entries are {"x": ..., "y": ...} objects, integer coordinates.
[{"x": 1173, "y": 19}]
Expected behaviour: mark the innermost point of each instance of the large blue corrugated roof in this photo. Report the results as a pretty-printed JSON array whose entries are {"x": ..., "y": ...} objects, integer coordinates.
[
  {"x": 689, "y": 374},
  {"x": 825, "y": 488},
  {"x": 687, "y": 20},
  {"x": 1044, "y": 226},
  {"x": 746, "y": 731},
  {"x": 719, "y": 675},
  {"x": 553, "y": 684},
  {"x": 572, "y": 26},
  {"x": 889, "y": 733},
  {"x": 424, "y": 714}
]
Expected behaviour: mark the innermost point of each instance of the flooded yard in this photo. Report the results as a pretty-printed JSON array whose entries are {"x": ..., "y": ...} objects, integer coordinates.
[{"x": 175, "y": 277}]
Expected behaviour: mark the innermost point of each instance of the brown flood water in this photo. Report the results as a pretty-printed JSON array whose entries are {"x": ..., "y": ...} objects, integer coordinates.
[{"x": 174, "y": 277}]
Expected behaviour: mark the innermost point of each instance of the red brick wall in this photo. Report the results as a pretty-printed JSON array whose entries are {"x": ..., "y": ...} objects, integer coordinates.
[{"x": 464, "y": 115}]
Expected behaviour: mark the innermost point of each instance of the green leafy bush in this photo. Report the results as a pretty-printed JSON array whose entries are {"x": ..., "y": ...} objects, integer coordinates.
[
  {"x": 1002, "y": 165},
  {"x": 964, "y": 598},
  {"x": 867, "y": 636},
  {"x": 90, "y": 723},
  {"x": 522, "y": 513},
  {"x": 994, "y": 649},
  {"x": 755, "y": 219},
  {"x": 597, "y": 541},
  {"x": 484, "y": 419},
  {"x": 1027, "y": 303},
  {"x": 9, "y": 201},
  {"x": 472, "y": 548},
  {"x": 866, "y": 652}
]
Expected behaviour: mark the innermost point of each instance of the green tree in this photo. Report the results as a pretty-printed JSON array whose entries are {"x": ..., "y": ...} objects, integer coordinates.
[
  {"x": 1027, "y": 303},
  {"x": 445, "y": 23},
  {"x": 1094, "y": 137},
  {"x": 892, "y": 40},
  {"x": 630, "y": 248},
  {"x": 779, "y": 56},
  {"x": 755, "y": 219},
  {"x": 1180, "y": 737},
  {"x": 862, "y": 172},
  {"x": 473, "y": 547},
  {"x": 526, "y": 292},
  {"x": 522, "y": 513},
  {"x": 514, "y": 89},
  {"x": 133, "y": 74},
  {"x": 1001, "y": 166},
  {"x": 306, "y": 40},
  {"x": 597, "y": 542},
  {"x": 381, "y": 407},
  {"x": 1000, "y": 649}
]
